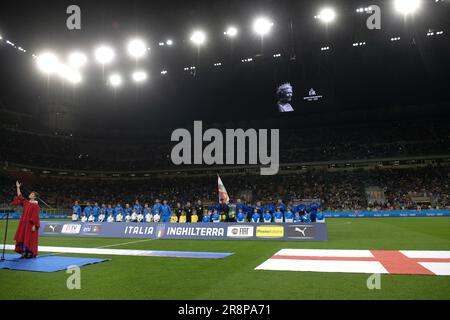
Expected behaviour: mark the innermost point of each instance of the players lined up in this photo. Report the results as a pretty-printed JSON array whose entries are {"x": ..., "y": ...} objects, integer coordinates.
[{"x": 162, "y": 212}]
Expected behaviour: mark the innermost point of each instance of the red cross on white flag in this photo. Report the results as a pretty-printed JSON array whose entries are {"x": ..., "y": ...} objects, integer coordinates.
[{"x": 360, "y": 261}]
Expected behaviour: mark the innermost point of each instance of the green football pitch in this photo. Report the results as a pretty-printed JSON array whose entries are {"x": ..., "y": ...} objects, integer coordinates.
[{"x": 234, "y": 277}]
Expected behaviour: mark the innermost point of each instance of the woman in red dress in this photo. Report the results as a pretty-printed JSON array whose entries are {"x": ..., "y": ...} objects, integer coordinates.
[{"x": 28, "y": 229}]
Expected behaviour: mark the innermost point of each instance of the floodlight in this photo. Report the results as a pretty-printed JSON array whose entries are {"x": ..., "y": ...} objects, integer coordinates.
[
  {"x": 137, "y": 48},
  {"x": 139, "y": 76},
  {"x": 231, "y": 32},
  {"x": 407, "y": 6},
  {"x": 262, "y": 26},
  {"x": 169, "y": 42},
  {"x": 198, "y": 37},
  {"x": 115, "y": 80},
  {"x": 48, "y": 62},
  {"x": 327, "y": 15},
  {"x": 104, "y": 54}
]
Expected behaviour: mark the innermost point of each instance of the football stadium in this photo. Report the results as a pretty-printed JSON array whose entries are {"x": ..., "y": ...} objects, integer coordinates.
[{"x": 225, "y": 150}]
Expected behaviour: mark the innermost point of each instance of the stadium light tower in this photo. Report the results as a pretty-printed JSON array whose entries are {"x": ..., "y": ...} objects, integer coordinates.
[
  {"x": 137, "y": 48},
  {"x": 139, "y": 76},
  {"x": 262, "y": 26},
  {"x": 104, "y": 55},
  {"x": 231, "y": 32},
  {"x": 198, "y": 37},
  {"x": 115, "y": 80},
  {"x": 407, "y": 7},
  {"x": 48, "y": 62},
  {"x": 326, "y": 15},
  {"x": 77, "y": 59}
]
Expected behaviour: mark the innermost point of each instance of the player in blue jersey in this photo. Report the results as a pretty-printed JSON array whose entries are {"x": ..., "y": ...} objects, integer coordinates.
[
  {"x": 302, "y": 211},
  {"x": 118, "y": 209},
  {"x": 259, "y": 209},
  {"x": 96, "y": 211},
  {"x": 280, "y": 205},
  {"x": 215, "y": 217},
  {"x": 76, "y": 211},
  {"x": 110, "y": 211},
  {"x": 165, "y": 212},
  {"x": 289, "y": 216},
  {"x": 157, "y": 206},
  {"x": 87, "y": 210},
  {"x": 206, "y": 217},
  {"x": 241, "y": 217},
  {"x": 128, "y": 209},
  {"x": 278, "y": 215},
  {"x": 146, "y": 210},
  {"x": 137, "y": 206},
  {"x": 102, "y": 213},
  {"x": 240, "y": 205},
  {"x": 313, "y": 212},
  {"x": 269, "y": 207},
  {"x": 256, "y": 216},
  {"x": 267, "y": 216}
]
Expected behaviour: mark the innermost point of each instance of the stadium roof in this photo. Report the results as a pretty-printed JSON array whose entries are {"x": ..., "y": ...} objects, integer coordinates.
[{"x": 224, "y": 78}]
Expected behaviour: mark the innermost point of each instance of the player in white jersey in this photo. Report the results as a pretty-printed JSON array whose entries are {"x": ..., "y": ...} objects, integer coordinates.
[
  {"x": 101, "y": 217},
  {"x": 83, "y": 218},
  {"x": 91, "y": 218},
  {"x": 74, "y": 217},
  {"x": 110, "y": 218},
  {"x": 134, "y": 215},
  {"x": 140, "y": 217},
  {"x": 128, "y": 217},
  {"x": 148, "y": 217},
  {"x": 156, "y": 216},
  {"x": 119, "y": 217}
]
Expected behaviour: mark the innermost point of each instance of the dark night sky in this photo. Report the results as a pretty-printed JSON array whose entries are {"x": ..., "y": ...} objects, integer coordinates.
[{"x": 382, "y": 73}]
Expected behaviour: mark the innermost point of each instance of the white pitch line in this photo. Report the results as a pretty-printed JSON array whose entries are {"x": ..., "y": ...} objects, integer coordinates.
[
  {"x": 124, "y": 243},
  {"x": 125, "y": 252},
  {"x": 340, "y": 223},
  {"x": 12, "y": 247}
]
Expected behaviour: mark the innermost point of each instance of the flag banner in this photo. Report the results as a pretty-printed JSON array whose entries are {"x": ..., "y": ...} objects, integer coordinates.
[
  {"x": 223, "y": 194},
  {"x": 360, "y": 261}
]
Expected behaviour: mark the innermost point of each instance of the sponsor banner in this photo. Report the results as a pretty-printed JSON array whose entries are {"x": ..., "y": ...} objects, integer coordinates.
[
  {"x": 71, "y": 228},
  {"x": 240, "y": 231},
  {"x": 218, "y": 231},
  {"x": 272, "y": 231},
  {"x": 52, "y": 228},
  {"x": 300, "y": 231}
]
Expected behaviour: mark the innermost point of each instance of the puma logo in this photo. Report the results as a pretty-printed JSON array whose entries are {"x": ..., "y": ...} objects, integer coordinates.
[{"x": 302, "y": 231}]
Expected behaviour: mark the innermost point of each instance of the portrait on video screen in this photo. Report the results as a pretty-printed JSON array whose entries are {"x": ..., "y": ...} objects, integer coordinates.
[{"x": 284, "y": 95}]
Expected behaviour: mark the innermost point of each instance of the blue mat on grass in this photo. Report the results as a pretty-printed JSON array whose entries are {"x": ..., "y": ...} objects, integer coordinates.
[{"x": 45, "y": 263}]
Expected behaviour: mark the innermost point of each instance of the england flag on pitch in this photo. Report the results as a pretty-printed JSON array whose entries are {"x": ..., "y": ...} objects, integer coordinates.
[{"x": 360, "y": 261}]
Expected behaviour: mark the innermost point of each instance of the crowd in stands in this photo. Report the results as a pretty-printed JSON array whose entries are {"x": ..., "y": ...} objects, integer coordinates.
[
  {"x": 336, "y": 190},
  {"x": 296, "y": 145}
]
